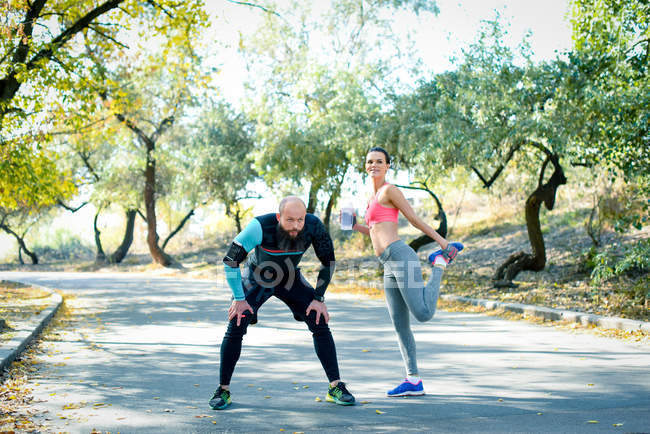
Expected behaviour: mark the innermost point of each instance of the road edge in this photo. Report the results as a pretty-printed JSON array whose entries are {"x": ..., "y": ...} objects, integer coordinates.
[
  {"x": 608, "y": 322},
  {"x": 11, "y": 350}
]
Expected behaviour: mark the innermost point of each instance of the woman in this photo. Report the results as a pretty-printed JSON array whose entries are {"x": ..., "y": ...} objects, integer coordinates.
[{"x": 403, "y": 285}]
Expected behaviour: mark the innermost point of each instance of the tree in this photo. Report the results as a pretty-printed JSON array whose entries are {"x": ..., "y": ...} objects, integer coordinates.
[
  {"x": 220, "y": 150},
  {"x": 315, "y": 117},
  {"x": 497, "y": 109},
  {"x": 102, "y": 162},
  {"x": 611, "y": 88},
  {"x": 146, "y": 97},
  {"x": 17, "y": 222},
  {"x": 40, "y": 62}
]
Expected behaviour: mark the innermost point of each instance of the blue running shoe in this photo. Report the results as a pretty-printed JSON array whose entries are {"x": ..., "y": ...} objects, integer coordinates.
[
  {"x": 407, "y": 389},
  {"x": 447, "y": 254}
]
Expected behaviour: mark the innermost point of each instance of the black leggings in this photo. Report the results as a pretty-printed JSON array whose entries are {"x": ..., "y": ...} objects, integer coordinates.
[{"x": 297, "y": 298}]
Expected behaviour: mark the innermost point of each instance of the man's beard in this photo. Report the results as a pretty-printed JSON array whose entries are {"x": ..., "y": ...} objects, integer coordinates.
[{"x": 286, "y": 242}]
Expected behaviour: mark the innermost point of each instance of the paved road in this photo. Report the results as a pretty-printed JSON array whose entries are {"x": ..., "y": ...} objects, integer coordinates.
[{"x": 145, "y": 359}]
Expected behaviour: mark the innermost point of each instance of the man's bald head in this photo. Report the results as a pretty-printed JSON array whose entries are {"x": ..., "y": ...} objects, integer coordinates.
[{"x": 291, "y": 200}]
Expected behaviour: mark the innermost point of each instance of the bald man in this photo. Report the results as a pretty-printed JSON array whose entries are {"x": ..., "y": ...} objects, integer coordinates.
[{"x": 279, "y": 241}]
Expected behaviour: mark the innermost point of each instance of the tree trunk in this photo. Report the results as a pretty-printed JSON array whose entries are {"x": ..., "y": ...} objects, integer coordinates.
[
  {"x": 100, "y": 256},
  {"x": 118, "y": 255},
  {"x": 237, "y": 217},
  {"x": 149, "y": 143},
  {"x": 178, "y": 228},
  {"x": 545, "y": 193},
  {"x": 20, "y": 256},
  {"x": 150, "y": 209},
  {"x": 21, "y": 244},
  {"x": 313, "y": 198},
  {"x": 328, "y": 209}
]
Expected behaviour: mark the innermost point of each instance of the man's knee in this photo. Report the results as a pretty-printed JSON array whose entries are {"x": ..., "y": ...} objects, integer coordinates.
[
  {"x": 237, "y": 331},
  {"x": 322, "y": 328}
]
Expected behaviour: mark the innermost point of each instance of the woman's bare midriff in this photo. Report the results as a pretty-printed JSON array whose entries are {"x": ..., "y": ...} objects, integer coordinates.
[{"x": 382, "y": 235}]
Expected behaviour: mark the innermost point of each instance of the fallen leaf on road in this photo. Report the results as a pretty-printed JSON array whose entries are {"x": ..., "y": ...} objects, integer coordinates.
[
  {"x": 156, "y": 397},
  {"x": 365, "y": 351},
  {"x": 365, "y": 402},
  {"x": 379, "y": 412},
  {"x": 168, "y": 410},
  {"x": 590, "y": 384},
  {"x": 120, "y": 418},
  {"x": 593, "y": 421},
  {"x": 500, "y": 400},
  {"x": 305, "y": 387},
  {"x": 267, "y": 397},
  {"x": 617, "y": 424},
  {"x": 73, "y": 405},
  {"x": 318, "y": 399},
  {"x": 200, "y": 416}
]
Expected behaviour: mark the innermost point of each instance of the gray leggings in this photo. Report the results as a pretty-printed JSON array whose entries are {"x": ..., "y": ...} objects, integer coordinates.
[{"x": 405, "y": 291}]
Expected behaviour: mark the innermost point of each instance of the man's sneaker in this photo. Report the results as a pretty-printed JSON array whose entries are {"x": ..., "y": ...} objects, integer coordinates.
[
  {"x": 447, "y": 254},
  {"x": 407, "y": 389},
  {"x": 340, "y": 395},
  {"x": 221, "y": 399}
]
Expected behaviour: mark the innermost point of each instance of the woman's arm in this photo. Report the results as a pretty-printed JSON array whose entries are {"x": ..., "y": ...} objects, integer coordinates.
[
  {"x": 361, "y": 228},
  {"x": 399, "y": 201}
]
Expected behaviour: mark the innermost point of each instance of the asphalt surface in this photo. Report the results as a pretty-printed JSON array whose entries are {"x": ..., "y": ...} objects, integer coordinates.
[{"x": 145, "y": 357}]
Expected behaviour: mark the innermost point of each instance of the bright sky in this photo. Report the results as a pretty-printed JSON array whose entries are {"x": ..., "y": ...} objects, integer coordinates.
[{"x": 438, "y": 39}]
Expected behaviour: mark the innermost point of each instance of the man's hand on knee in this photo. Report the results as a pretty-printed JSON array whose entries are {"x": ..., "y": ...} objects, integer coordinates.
[
  {"x": 320, "y": 309},
  {"x": 238, "y": 309}
]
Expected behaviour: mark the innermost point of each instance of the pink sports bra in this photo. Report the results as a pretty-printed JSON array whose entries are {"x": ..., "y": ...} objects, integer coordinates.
[{"x": 376, "y": 212}]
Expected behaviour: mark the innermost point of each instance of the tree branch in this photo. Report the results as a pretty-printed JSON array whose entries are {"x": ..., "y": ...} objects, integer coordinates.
[
  {"x": 67, "y": 34},
  {"x": 28, "y": 27},
  {"x": 138, "y": 132},
  {"x": 69, "y": 208},
  {"x": 157, "y": 6},
  {"x": 110, "y": 38},
  {"x": 166, "y": 123},
  {"x": 253, "y": 5},
  {"x": 85, "y": 158},
  {"x": 178, "y": 228}
]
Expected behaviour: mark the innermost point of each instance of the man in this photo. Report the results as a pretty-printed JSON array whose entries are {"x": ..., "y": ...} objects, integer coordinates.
[{"x": 279, "y": 241}]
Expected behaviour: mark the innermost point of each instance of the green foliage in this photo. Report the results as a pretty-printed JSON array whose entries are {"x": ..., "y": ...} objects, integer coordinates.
[
  {"x": 632, "y": 261},
  {"x": 497, "y": 109},
  {"x": 62, "y": 245},
  {"x": 220, "y": 152},
  {"x": 29, "y": 176},
  {"x": 45, "y": 70},
  {"x": 611, "y": 90},
  {"x": 317, "y": 106}
]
